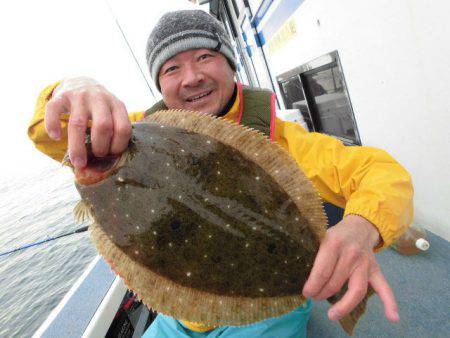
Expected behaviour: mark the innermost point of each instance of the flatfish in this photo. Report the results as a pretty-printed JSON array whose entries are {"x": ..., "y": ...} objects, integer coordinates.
[{"x": 206, "y": 220}]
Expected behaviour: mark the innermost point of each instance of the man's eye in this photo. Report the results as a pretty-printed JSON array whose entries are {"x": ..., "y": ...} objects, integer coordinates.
[
  {"x": 204, "y": 56},
  {"x": 170, "y": 69}
]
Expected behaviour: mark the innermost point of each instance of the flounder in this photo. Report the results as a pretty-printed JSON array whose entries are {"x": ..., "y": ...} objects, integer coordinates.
[{"x": 206, "y": 220}]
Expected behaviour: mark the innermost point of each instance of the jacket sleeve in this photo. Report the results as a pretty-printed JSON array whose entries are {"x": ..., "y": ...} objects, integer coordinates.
[
  {"x": 38, "y": 134},
  {"x": 365, "y": 181}
]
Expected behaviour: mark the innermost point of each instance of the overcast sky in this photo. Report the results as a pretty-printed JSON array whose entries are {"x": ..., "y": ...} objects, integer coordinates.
[{"x": 46, "y": 40}]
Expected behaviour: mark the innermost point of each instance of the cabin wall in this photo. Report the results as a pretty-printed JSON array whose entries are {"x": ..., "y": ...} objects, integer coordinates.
[{"x": 395, "y": 63}]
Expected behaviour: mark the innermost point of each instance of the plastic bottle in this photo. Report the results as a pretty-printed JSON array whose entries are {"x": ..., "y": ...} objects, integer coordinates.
[{"x": 412, "y": 242}]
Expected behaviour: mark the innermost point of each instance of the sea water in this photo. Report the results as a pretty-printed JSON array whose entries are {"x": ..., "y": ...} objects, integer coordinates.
[{"x": 33, "y": 281}]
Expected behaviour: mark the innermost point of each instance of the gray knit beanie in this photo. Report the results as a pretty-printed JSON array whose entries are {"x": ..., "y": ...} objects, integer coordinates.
[{"x": 184, "y": 30}]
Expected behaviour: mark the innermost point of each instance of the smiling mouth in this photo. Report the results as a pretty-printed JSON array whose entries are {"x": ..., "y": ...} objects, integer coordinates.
[{"x": 198, "y": 97}]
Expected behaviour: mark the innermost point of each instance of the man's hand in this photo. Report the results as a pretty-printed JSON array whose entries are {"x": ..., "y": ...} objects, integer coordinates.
[
  {"x": 346, "y": 253},
  {"x": 85, "y": 99}
]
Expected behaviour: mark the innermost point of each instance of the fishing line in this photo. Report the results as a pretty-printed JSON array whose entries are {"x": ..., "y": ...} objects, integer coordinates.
[
  {"x": 85, "y": 228},
  {"x": 26, "y": 246},
  {"x": 129, "y": 46}
]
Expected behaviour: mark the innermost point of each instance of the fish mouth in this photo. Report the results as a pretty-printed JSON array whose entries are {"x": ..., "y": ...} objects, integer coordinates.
[{"x": 98, "y": 168}]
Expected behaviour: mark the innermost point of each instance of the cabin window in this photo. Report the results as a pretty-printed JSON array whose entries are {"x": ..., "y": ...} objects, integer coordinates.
[{"x": 318, "y": 89}]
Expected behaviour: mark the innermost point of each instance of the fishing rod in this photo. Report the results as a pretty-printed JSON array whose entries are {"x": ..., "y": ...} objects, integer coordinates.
[
  {"x": 129, "y": 46},
  {"x": 85, "y": 228},
  {"x": 77, "y": 231}
]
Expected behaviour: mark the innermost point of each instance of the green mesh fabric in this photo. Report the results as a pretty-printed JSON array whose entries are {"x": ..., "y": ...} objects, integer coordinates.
[{"x": 257, "y": 109}]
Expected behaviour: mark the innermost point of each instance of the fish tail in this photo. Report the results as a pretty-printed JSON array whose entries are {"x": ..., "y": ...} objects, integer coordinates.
[{"x": 349, "y": 322}]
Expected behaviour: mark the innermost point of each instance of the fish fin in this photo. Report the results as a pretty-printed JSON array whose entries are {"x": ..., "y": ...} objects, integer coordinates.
[
  {"x": 349, "y": 322},
  {"x": 82, "y": 212}
]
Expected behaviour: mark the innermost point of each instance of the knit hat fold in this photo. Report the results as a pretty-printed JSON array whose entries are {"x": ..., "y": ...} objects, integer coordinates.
[{"x": 184, "y": 30}]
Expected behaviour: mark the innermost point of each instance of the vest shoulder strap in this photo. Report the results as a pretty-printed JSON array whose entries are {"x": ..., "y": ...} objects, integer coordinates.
[
  {"x": 257, "y": 109},
  {"x": 157, "y": 106}
]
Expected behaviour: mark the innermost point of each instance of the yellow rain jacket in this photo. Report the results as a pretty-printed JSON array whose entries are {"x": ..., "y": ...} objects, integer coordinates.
[{"x": 365, "y": 181}]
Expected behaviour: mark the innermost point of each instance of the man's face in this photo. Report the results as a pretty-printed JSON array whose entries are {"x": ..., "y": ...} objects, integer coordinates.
[{"x": 199, "y": 80}]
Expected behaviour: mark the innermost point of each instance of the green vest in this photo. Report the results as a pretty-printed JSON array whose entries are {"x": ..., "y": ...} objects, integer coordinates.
[{"x": 256, "y": 113}]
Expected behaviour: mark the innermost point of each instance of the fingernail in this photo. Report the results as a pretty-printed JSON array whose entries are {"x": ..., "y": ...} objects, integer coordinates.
[
  {"x": 396, "y": 317},
  {"x": 54, "y": 134},
  {"x": 306, "y": 292},
  {"x": 77, "y": 162},
  {"x": 333, "y": 315}
]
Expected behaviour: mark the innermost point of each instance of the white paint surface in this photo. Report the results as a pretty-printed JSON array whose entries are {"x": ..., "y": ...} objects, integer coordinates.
[{"x": 395, "y": 57}]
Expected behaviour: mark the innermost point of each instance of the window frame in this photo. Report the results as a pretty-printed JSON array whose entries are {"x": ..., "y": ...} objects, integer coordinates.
[{"x": 324, "y": 62}]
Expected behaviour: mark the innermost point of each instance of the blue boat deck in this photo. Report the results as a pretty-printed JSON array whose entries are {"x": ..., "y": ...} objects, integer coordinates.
[{"x": 421, "y": 284}]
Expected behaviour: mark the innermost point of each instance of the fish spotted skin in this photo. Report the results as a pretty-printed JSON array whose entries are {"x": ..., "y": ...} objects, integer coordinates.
[{"x": 199, "y": 213}]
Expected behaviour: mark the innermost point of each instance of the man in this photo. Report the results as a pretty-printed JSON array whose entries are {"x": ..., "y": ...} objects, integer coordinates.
[{"x": 191, "y": 61}]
